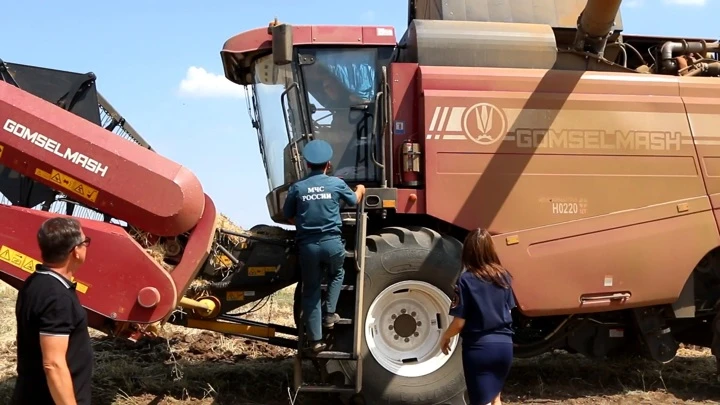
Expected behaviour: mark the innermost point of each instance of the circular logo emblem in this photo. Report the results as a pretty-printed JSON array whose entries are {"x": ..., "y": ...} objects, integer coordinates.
[{"x": 484, "y": 123}]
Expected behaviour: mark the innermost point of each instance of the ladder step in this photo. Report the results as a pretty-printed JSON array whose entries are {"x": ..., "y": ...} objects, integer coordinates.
[
  {"x": 333, "y": 355},
  {"x": 341, "y": 321},
  {"x": 346, "y": 287},
  {"x": 344, "y": 321},
  {"x": 327, "y": 389},
  {"x": 349, "y": 253}
]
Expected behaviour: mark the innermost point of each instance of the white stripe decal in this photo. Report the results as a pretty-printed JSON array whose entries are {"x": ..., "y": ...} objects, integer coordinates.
[
  {"x": 454, "y": 123},
  {"x": 447, "y": 123},
  {"x": 441, "y": 124},
  {"x": 434, "y": 119},
  {"x": 511, "y": 137}
]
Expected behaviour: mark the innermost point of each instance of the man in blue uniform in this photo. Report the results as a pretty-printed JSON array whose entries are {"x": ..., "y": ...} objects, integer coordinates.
[{"x": 313, "y": 205}]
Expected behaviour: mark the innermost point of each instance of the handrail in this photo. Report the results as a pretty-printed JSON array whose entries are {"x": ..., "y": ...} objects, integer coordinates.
[
  {"x": 373, "y": 135},
  {"x": 293, "y": 146},
  {"x": 360, "y": 245},
  {"x": 379, "y": 128}
]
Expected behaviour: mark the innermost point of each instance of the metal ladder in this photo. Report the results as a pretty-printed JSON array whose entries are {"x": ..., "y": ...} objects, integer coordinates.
[{"x": 359, "y": 258}]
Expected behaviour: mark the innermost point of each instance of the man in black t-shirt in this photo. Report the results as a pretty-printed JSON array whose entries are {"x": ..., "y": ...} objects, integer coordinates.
[{"x": 54, "y": 355}]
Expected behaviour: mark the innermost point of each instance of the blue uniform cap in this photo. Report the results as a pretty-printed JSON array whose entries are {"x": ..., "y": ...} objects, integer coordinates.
[{"x": 317, "y": 152}]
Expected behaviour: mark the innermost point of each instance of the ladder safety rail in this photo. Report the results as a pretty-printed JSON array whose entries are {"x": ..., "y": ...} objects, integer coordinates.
[
  {"x": 360, "y": 244},
  {"x": 358, "y": 256}
]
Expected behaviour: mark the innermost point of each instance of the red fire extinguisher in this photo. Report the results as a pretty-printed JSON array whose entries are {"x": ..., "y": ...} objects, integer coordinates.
[{"x": 409, "y": 164}]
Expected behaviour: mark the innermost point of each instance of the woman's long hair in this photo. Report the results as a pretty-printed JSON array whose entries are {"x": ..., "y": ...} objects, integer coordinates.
[{"x": 479, "y": 257}]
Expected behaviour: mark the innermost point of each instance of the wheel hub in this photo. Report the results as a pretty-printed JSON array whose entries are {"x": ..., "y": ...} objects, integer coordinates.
[{"x": 404, "y": 325}]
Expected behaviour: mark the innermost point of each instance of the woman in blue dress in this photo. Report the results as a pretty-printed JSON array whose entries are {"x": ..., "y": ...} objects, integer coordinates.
[{"x": 481, "y": 310}]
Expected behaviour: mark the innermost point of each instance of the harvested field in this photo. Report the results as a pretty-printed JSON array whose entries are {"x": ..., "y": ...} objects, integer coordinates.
[{"x": 203, "y": 368}]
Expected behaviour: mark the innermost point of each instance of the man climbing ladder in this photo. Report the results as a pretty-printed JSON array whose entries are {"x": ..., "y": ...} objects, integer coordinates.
[{"x": 313, "y": 206}]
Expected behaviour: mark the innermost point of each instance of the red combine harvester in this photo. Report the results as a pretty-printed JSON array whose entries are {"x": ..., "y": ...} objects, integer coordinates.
[{"x": 588, "y": 153}]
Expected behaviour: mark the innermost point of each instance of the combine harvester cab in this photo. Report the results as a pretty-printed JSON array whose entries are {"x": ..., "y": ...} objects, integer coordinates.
[{"x": 583, "y": 150}]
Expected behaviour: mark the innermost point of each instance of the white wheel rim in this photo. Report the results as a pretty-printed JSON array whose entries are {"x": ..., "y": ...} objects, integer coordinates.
[{"x": 396, "y": 344}]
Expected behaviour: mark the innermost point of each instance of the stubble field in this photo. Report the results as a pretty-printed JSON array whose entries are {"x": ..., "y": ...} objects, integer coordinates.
[{"x": 203, "y": 368}]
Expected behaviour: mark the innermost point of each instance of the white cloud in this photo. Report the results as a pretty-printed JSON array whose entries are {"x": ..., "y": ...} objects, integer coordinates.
[
  {"x": 198, "y": 82},
  {"x": 368, "y": 17},
  {"x": 687, "y": 2}
]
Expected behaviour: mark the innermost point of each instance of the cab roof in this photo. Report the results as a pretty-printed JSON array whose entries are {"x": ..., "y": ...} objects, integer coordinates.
[{"x": 240, "y": 50}]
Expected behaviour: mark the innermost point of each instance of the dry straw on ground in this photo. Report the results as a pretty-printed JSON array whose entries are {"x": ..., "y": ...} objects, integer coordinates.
[{"x": 203, "y": 368}]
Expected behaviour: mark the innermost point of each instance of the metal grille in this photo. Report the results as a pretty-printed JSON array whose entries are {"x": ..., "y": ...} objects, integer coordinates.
[
  {"x": 62, "y": 204},
  {"x": 111, "y": 120}
]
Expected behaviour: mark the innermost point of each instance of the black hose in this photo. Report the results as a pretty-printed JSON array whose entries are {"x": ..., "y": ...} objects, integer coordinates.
[
  {"x": 537, "y": 348},
  {"x": 639, "y": 55}
]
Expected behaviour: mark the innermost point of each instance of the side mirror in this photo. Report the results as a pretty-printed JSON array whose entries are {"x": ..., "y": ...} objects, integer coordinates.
[{"x": 282, "y": 44}]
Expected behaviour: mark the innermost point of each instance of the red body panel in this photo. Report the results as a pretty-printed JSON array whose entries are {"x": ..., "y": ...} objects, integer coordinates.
[
  {"x": 701, "y": 101},
  {"x": 95, "y": 167},
  {"x": 196, "y": 249},
  {"x": 116, "y": 268},
  {"x": 410, "y": 201},
  {"x": 640, "y": 189},
  {"x": 259, "y": 38},
  {"x": 404, "y": 93}
]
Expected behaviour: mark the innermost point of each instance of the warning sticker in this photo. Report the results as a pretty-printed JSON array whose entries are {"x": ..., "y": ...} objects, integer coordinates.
[
  {"x": 260, "y": 270},
  {"x": 2, "y": 148},
  {"x": 235, "y": 295},
  {"x": 69, "y": 183},
  {"x": 28, "y": 264}
]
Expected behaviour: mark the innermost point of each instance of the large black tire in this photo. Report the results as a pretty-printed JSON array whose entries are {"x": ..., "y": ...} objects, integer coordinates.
[{"x": 399, "y": 254}]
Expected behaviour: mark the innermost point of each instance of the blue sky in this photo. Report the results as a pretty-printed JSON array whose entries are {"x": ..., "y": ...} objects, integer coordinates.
[{"x": 158, "y": 63}]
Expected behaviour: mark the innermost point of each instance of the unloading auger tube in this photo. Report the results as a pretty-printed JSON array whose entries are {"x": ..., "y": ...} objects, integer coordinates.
[{"x": 595, "y": 24}]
